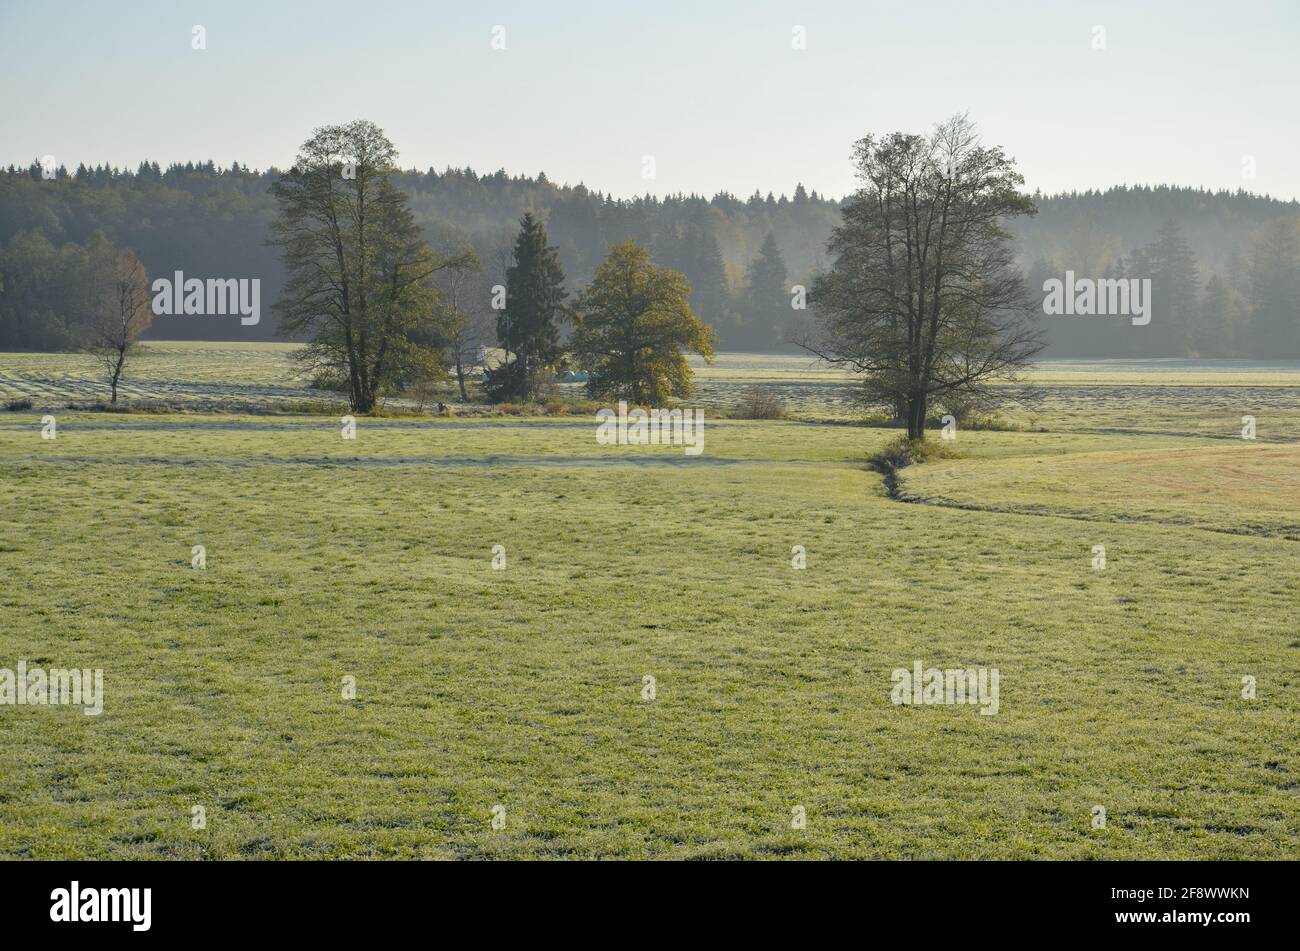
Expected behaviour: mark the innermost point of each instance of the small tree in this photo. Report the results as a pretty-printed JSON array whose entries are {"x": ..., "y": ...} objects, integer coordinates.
[
  {"x": 632, "y": 324},
  {"x": 464, "y": 315},
  {"x": 117, "y": 307}
]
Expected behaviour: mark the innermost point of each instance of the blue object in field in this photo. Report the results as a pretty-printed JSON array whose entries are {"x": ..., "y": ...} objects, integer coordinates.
[{"x": 571, "y": 376}]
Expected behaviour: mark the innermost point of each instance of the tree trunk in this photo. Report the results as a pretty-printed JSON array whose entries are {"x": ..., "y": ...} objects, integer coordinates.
[
  {"x": 363, "y": 398},
  {"x": 916, "y": 410},
  {"x": 117, "y": 374},
  {"x": 460, "y": 378}
]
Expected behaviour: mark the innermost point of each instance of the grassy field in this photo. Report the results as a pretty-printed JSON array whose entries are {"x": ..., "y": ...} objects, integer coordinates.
[{"x": 523, "y": 687}]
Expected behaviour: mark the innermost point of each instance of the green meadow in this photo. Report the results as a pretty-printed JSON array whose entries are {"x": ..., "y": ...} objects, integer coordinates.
[{"x": 524, "y": 687}]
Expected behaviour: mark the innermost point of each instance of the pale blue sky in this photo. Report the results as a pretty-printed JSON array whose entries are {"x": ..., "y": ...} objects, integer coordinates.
[{"x": 713, "y": 90}]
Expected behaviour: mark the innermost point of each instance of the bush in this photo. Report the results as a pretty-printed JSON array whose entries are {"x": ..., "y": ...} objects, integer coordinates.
[
  {"x": 901, "y": 451},
  {"x": 969, "y": 409},
  {"x": 18, "y": 405},
  {"x": 331, "y": 381},
  {"x": 759, "y": 403},
  {"x": 423, "y": 391},
  {"x": 994, "y": 422}
]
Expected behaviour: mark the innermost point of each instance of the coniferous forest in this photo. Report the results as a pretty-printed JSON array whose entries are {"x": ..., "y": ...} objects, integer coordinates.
[{"x": 1225, "y": 266}]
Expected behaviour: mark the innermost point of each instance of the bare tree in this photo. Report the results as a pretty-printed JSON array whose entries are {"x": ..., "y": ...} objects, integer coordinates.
[
  {"x": 467, "y": 322},
  {"x": 924, "y": 299},
  {"x": 117, "y": 308}
]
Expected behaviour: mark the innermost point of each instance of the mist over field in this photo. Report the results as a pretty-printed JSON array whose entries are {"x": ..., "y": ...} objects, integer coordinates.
[{"x": 1239, "y": 265}]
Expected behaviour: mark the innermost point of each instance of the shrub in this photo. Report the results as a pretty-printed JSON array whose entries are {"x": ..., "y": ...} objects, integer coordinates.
[
  {"x": 17, "y": 405},
  {"x": 759, "y": 402},
  {"x": 901, "y": 451},
  {"x": 994, "y": 422},
  {"x": 330, "y": 380}
]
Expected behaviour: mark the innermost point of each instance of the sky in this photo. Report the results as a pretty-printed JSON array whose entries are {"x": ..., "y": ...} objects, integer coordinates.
[{"x": 719, "y": 94}]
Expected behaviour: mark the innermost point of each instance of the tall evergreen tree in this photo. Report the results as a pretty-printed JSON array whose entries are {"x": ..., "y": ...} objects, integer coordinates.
[
  {"x": 1175, "y": 289},
  {"x": 707, "y": 272},
  {"x": 768, "y": 305},
  {"x": 1275, "y": 291},
  {"x": 1216, "y": 331},
  {"x": 529, "y": 325}
]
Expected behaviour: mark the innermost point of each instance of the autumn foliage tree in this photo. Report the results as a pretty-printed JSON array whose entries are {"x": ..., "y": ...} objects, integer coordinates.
[{"x": 633, "y": 326}]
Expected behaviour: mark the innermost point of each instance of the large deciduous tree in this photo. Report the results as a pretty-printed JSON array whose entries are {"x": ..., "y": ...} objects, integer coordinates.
[
  {"x": 632, "y": 326},
  {"x": 923, "y": 298},
  {"x": 359, "y": 272}
]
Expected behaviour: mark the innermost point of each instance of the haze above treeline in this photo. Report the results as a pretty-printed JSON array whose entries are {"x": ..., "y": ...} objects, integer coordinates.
[{"x": 1225, "y": 265}]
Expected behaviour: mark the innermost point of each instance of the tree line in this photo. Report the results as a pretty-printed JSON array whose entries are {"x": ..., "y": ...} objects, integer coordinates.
[
  {"x": 206, "y": 220},
  {"x": 740, "y": 256}
]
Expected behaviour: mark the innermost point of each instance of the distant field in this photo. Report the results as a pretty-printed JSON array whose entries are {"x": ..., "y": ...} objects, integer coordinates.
[
  {"x": 1202, "y": 397},
  {"x": 182, "y": 371},
  {"x": 523, "y": 687}
]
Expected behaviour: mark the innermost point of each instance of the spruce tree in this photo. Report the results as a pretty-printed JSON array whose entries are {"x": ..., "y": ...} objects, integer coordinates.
[
  {"x": 707, "y": 272},
  {"x": 1175, "y": 292},
  {"x": 768, "y": 304},
  {"x": 528, "y": 327}
]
